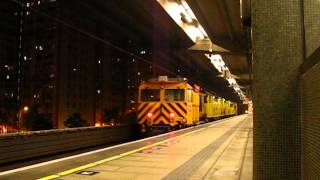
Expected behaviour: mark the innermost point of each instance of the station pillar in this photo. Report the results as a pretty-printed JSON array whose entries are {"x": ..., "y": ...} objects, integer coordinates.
[{"x": 278, "y": 52}]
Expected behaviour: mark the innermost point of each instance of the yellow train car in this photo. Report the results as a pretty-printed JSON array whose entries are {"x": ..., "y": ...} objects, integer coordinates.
[
  {"x": 172, "y": 102},
  {"x": 168, "y": 103},
  {"x": 207, "y": 106},
  {"x": 213, "y": 108},
  {"x": 233, "y": 109},
  {"x": 230, "y": 108}
]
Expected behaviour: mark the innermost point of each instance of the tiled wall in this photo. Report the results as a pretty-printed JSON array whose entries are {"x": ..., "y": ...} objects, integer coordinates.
[
  {"x": 310, "y": 93},
  {"x": 286, "y": 89},
  {"x": 312, "y": 25},
  {"x": 310, "y": 123},
  {"x": 278, "y": 53}
]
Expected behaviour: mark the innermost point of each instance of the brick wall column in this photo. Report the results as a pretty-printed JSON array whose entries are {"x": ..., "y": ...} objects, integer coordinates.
[{"x": 277, "y": 54}]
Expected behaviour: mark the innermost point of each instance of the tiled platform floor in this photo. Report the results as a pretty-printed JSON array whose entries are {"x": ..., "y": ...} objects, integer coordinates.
[{"x": 219, "y": 151}]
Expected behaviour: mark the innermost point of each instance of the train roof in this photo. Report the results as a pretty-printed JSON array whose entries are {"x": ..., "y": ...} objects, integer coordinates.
[{"x": 166, "y": 80}]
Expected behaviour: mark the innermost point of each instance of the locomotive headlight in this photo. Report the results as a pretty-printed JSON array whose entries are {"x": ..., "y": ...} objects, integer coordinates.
[
  {"x": 172, "y": 115},
  {"x": 149, "y": 115}
]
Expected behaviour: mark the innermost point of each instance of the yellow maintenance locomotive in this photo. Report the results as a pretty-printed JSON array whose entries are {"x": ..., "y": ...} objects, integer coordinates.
[{"x": 172, "y": 102}]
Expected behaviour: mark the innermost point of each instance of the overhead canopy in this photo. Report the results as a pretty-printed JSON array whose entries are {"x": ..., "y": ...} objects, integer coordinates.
[{"x": 149, "y": 26}]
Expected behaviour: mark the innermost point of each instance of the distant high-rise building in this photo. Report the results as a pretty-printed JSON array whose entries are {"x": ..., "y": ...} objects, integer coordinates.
[
  {"x": 9, "y": 47},
  {"x": 78, "y": 56},
  {"x": 66, "y": 66}
]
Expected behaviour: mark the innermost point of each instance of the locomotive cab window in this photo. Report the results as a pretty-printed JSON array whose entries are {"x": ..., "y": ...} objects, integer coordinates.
[
  {"x": 174, "y": 95},
  {"x": 150, "y": 95}
]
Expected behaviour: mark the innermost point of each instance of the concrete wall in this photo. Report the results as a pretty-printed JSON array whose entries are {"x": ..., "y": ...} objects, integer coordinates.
[
  {"x": 278, "y": 53},
  {"x": 16, "y": 147}
]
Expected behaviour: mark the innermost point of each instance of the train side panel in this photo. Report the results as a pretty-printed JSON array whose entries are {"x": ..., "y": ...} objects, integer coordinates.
[
  {"x": 195, "y": 107},
  {"x": 210, "y": 107},
  {"x": 202, "y": 106}
]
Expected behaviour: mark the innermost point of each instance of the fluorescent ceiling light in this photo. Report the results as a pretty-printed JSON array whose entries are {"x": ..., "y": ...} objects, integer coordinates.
[
  {"x": 182, "y": 14},
  {"x": 217, "y": 61}
]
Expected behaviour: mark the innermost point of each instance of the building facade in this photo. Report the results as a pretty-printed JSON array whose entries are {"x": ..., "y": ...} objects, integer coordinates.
[
  {"x": 9, "y": 46},
  {"x": 69, "y": 63}
]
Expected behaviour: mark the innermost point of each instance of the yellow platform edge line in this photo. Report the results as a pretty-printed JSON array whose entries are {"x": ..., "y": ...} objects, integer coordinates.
[
  {"x": 50, "y": 177},
  {"x": 70, "y": 171}
]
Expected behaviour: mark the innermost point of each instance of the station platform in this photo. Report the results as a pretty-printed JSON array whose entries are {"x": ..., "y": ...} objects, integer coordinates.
[{"x": 217, "y": 150}]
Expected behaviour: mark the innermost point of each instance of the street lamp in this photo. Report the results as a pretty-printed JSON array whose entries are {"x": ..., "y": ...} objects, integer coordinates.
[{"x": 23, "y": 110}]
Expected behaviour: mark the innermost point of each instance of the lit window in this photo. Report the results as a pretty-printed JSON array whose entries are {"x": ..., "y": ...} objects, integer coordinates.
[
  {"x": 39, "y": 2},
  {"x": 98, "y": 91},
  {"x": 25, "y": 58},
  {"x": 40, "y": 48},
  {"x": 74, "y": 69},
  {"x": 99, "y": 62},
  {"x": 142, "y": 52},
  {"x": 8, "y": 77},
  {"x": 7, "y": 67},
  {"x": 28, "y": 4},
  {"x": 28, "y": 13}
]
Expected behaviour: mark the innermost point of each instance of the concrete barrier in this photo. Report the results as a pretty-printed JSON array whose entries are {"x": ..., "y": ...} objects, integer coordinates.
[{"x": 20, "y": 146}]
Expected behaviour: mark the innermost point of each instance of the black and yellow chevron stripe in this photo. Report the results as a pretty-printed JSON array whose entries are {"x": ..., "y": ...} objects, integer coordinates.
[{"x": 161, "y": 112}]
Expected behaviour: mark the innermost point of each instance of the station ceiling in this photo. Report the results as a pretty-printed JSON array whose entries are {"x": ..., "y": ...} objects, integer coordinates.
[
  {"x": 227, "y": 23},
  {"x": 221, "y": 19}
]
